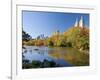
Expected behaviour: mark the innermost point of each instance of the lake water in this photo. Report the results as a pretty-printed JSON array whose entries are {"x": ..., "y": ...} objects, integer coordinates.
[{"x": 63, "y": 56}]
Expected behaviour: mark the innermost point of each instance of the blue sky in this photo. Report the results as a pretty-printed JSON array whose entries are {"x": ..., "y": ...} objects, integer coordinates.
[{"x": 37, "y": 23}]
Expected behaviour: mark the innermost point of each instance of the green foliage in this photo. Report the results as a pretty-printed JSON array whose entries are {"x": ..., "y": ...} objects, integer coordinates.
[
  {"x": 75, "y": 37},
  {"x": 25, "y": 36},
  {"x": 39, "y": 64},
  {"x": 50, "y": 42},
  {"x": 36, "y": 64},
  {"x": 78, "y": 37},
  {"x": 61, "y": 43}
]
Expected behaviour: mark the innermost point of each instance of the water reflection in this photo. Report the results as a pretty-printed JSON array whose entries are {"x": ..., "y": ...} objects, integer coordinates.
[{"x": 62, "y": 57}]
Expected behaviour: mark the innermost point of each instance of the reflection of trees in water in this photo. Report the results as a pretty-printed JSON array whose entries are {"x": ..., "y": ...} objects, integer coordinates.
[
  {"x": 56, "y": 54},
  {"x": 27, "y": 50},
  {"x": 69, "y": 55},
  {"x": 39, "y": 64},
  {"x": 72, "y": 56},
  {"x": 23, "y": 56},
  {"x": 24, "y": 50},
  {"x": 42, "y": 52},
  {"x": 30, "y": 51}
]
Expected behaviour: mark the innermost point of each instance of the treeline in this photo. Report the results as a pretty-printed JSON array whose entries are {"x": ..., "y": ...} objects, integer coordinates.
[{"x": 74, "y": 37}]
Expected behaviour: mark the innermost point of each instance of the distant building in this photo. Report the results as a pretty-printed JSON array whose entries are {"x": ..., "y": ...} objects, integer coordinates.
[
  {"x": 56, "y": 33},
  {"x": 79, "y": 23},
  {"x": 76, "y": 23},
  {"x": 42, "y": 37}
]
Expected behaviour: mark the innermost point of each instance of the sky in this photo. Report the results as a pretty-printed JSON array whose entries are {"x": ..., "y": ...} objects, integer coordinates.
[{"x": 36, "y": 23}]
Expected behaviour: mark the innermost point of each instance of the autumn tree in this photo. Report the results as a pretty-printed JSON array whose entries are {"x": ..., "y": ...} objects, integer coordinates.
[{"x": 78, "y": 37}]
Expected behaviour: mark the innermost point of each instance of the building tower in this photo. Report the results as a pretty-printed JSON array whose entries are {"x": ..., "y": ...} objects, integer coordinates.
[
  {"x": 76, "y": 23},
  {"x": 79, "y": 23}
]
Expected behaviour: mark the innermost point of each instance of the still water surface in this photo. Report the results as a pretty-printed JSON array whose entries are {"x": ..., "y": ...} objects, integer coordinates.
[{"x": 62, "y": 56}]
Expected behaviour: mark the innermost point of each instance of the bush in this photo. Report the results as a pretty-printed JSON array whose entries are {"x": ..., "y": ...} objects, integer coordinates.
[{"x": 50, "y": 42}]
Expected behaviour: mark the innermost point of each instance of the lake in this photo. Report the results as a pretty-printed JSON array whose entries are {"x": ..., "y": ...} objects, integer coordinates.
[{"x": 57, "y": 56}]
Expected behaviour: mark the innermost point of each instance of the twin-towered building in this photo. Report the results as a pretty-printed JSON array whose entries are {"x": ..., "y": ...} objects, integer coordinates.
[{"x": 79, "y": 23}]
